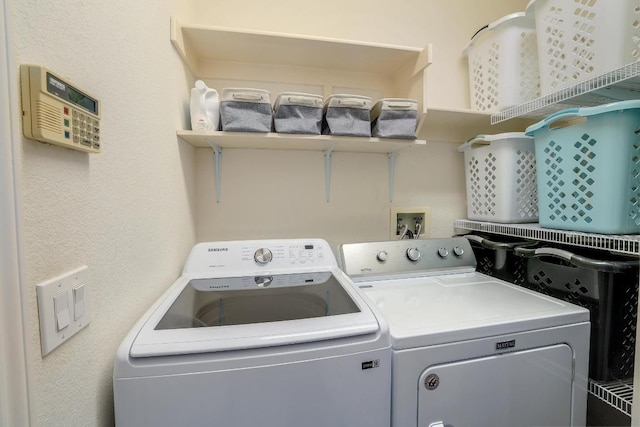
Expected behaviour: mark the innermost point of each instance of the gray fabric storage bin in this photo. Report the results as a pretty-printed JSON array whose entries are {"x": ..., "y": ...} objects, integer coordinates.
[
  {"x": 348, "y": 115},
  {"x": 394, "y": 118},
  {"x": 298, "y": 113},
  {"x": 245, "y": 110}
]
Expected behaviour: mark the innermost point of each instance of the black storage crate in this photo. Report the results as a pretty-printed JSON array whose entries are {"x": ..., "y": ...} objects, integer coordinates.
[
  {"x": 607, "y": 286},
  {"x": 495, "y": 257}
]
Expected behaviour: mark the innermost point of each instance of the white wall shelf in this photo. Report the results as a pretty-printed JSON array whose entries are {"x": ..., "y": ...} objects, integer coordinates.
[
  {"x": 459, "y": 124},
  {"x": 198, "y": 44},
  {"x": 267, "y": 59},
  {"x": 326, "y": 144},
  {"x": 620, "y": 84},
  {"x": 219, "y": 53},
  {"x": 628, "y": 244},
  {"x": 281, "y": 141},
  {"x": 278, "y": 60}
]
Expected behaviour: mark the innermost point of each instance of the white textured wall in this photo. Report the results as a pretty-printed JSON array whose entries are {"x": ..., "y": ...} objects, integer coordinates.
[
  {"x": 281, "y": 194},
  {"x": 127, "y": 212},
  {"x": 266, "y": 194}
]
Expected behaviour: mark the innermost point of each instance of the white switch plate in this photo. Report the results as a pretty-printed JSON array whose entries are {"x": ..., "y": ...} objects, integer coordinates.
[{"x": 50, "y": 337}]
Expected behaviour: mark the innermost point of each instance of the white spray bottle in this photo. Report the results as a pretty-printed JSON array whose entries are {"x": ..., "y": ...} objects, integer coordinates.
[{"x": 204, "y": 107}]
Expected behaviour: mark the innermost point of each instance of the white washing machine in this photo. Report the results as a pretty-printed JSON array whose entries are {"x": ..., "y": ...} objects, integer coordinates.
[
  {"x": 470, "y": 350},
  {"x": 264, "y": 333}
]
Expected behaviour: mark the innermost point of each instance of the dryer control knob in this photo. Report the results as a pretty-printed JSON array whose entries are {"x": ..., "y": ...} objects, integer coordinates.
[
  {"x": 382, "y": 256},
  {"x": 443, "y": 252},
  {"x": 413, "y": 254},
  {"x": 458, "y": 251},
  {"x": 263, "y": 256}
]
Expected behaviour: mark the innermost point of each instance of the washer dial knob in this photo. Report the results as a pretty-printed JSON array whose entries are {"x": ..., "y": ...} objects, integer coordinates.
[
  {"x": 382, "y": 256},
  {"x": 413, "y": 254},
  {"x": 263, "y": 281},
  {"x": 458, "y": 251},
  {"x": 443, "y": 252},
  {"x": 263, "y": 256}
]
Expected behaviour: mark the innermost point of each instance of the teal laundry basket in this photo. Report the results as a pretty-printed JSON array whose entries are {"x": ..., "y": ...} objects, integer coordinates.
[{"x": 588, "y": 168}]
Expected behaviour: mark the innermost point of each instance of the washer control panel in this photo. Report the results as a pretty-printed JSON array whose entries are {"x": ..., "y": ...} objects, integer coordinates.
[
  {"x": 406, "y": 256},
  {"x": 235, "y": 257}
]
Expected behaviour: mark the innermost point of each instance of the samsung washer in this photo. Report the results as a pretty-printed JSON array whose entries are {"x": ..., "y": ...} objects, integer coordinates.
[
  {"x": 468, "y": 349},
  {"x": 265, "y": 333}
]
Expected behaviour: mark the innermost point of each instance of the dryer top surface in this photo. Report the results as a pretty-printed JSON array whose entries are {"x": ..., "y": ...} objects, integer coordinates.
[{"x": 449, "y": 308}]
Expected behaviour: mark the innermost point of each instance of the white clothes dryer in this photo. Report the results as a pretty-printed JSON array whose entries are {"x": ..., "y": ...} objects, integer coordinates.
[
  {"x": 470, "y": 350},
  {"x": 267, "y": 333}
]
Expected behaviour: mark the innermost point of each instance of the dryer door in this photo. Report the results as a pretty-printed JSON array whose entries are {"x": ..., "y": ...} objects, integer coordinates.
[{"x": 520, "y": 389}]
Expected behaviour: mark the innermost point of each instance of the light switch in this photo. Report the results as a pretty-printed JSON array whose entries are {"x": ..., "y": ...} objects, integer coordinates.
[
  {"x": 78, "y": 302},
  {"x": 61, "y": 309},
  {"x": 64, "y": 307}
]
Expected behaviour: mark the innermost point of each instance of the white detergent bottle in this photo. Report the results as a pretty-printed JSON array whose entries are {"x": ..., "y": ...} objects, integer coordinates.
[
  {"x": 199, "y": 120},
  {"x": 212, "y": 108}
]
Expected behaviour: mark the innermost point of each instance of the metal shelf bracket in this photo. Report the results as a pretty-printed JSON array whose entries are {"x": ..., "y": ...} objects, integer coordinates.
[
  {"x": 391, "y": 158},
  {"x": 217, "y": 151},
  {"x": 327, "y": 173}
]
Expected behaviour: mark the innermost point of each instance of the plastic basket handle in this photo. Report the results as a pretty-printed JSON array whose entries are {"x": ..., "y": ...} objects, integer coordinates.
[
  {"x": 248, "y": 96},
  {"x": 562, "y": 115},
  {"x": 465, "y": 51},
  {"x": 490, "y": 244},
  {"x": 479, "y": 140},
  {"x": 577, "y": 260}
]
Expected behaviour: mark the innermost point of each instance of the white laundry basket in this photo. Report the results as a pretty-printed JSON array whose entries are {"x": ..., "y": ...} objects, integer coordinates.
[
  {"x": 580, "y": 39},
  {"x": 503, "y": 63},
  {"x": 589, "y": 168},
  {"x": 501, "y": 178}
]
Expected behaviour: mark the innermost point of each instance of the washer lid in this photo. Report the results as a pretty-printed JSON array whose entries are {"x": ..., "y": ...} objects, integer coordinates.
[
  {"x": 219, "y": 314},
  {"x": 449, "y": 308}
]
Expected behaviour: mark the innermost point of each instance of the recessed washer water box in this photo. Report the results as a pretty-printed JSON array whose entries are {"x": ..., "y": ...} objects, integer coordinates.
[
  {"x": 245, "y": 110},
  {"x": 414, "y": 219},
  {"x": 296, "y": 112}
]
